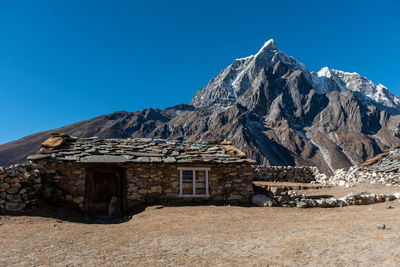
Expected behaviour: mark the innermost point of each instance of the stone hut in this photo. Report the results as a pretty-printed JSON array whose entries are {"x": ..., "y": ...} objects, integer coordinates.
[{"x": 96, "y": 173}]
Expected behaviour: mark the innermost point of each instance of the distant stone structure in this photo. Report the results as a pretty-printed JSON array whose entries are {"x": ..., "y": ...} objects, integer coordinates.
[
  {"x": 306, "y": 174},
  {"x": 381, "y": 169}
]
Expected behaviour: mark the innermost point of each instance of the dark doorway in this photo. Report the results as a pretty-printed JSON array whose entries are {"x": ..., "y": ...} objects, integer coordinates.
[{"x": 102, "y": 186}]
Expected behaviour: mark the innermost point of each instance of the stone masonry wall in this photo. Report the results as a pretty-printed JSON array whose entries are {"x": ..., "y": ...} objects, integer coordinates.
[
  {"x": 305, "y": 174},
  {"x": 26, "y": 186},
  {"x": 358, "y": 174},
  {"x": 66, "y": 180},
  {"x": 20, "y": 188},
  {"x": 149, "y": 182}
]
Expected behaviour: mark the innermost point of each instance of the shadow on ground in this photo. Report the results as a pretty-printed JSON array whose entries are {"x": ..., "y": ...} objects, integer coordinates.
[{"x": 70, "y": 214}]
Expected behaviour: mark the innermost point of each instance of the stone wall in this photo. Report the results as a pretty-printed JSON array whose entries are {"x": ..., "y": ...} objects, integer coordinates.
[
  {"x": 64, "y": 181},
  {"x": 147, "y": 183},
  {"x": 20, "y": 188},
  {"x": 59, "y": 183},
  {"x": 359, "y": 174},
  {"x": 292, "y": 199},
  {"x": 231, "y": 183},
  {"x": 305, "y": 174}
]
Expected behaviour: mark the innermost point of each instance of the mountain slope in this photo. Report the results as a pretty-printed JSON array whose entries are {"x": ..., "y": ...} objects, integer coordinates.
[
  {"x": 118, "y": 124},
  {"x": 270, "y": 106}
]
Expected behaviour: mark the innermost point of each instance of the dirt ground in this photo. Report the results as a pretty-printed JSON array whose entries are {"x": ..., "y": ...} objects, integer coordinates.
[{"x": 210, "y": 235}]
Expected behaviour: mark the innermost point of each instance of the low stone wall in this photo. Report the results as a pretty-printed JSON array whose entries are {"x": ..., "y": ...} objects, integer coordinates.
[
  {"x": 358, "y": 174},
  {"x": 304, "y": 174},
  {"x": 289, "y": 198},
  {"x": 20, "y": 188}
]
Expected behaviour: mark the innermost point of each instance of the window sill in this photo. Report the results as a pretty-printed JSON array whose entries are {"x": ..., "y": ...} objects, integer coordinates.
[{"x": 194, "y": 196}]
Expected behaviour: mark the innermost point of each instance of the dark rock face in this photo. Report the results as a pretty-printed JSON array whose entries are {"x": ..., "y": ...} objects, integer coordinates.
[{"x": 268, "y": 105}]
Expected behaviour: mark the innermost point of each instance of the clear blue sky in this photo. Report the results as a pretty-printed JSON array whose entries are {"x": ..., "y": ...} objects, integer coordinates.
[{"x": 66, "y": 61}]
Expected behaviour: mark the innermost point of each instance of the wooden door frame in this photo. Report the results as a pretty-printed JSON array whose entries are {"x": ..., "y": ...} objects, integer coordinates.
[{"x": 102, "y": 167}]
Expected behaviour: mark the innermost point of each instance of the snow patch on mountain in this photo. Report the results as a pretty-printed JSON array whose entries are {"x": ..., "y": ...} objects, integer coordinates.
[{"x": 327, "y": 80}]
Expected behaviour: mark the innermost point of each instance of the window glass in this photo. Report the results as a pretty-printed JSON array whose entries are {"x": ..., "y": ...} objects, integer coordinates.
[
  {"x": 200, "y": 182},
  {"x": 187, "y": 175},
  {"x": 187, "y": 182}
]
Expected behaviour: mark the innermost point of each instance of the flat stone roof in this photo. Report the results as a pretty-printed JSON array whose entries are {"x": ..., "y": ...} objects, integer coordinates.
[
  {"x": 389, "y": 161},
  {"x": 62, "y": 147}
]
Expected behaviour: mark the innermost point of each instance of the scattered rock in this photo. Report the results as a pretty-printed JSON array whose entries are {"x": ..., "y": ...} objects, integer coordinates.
[
  {"x": 113, "y": 207},
  {"x": 302, "y": 204},
  {"x": 396, "y": 195},
  {"x": 292, "y": 194},
  {"x": 331, "y": 202},
  {"x": 262, "y": 200},
  {"x": 322, "y": 203},
  {"x": 277, "y": 190},
  {"x": 381, "y": 226}
]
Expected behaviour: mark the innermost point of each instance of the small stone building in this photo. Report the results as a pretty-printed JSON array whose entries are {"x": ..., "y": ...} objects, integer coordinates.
[{"x": 93, "y": 171}]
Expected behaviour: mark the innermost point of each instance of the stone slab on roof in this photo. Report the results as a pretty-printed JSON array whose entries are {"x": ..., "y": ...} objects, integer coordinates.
[
  {"x": 389, "y": 161},
  {"x": 102, "y": 158},
  {"x": 97, "y": 150}
]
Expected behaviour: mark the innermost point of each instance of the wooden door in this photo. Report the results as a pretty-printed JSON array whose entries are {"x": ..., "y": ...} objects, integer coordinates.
[{"x": 104, "y": 186}]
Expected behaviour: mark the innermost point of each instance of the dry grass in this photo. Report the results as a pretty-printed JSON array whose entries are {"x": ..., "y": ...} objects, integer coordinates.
[{"x": 211, "y": 235}]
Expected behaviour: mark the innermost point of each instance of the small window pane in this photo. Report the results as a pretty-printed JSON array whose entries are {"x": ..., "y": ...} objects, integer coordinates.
[
  {"x": 187, "y": 172},
  {"x": 200, "y": 182},
  {"x": 187, "y": 182}
]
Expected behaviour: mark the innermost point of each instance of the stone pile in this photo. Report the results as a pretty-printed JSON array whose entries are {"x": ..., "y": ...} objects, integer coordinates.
[
  {"x": 19, "y": 187},
  {"x": 305, "y": 174},
  {"x": 292, "y": 199},
  {"x": 382, "y": 169},
  {"x": 357, "y": 174}
]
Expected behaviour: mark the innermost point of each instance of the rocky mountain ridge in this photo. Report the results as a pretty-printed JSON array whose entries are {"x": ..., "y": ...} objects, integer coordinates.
[
  {"x": 328, "y": 80},
  {"x": 271, "y": 107}
]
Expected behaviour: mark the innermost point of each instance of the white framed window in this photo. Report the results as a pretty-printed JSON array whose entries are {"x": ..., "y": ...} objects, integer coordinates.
[{"x": 193, "y": 182}]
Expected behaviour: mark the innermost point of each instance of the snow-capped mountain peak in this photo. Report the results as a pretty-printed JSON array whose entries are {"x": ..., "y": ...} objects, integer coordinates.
[
  {"x": 325, "y": 81},
  {"x": 243, "y": 73},
  {"x": 268, "y": 45},
  {"x": 232, "y": 82},
  {"x": 328, "y": 80}
]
